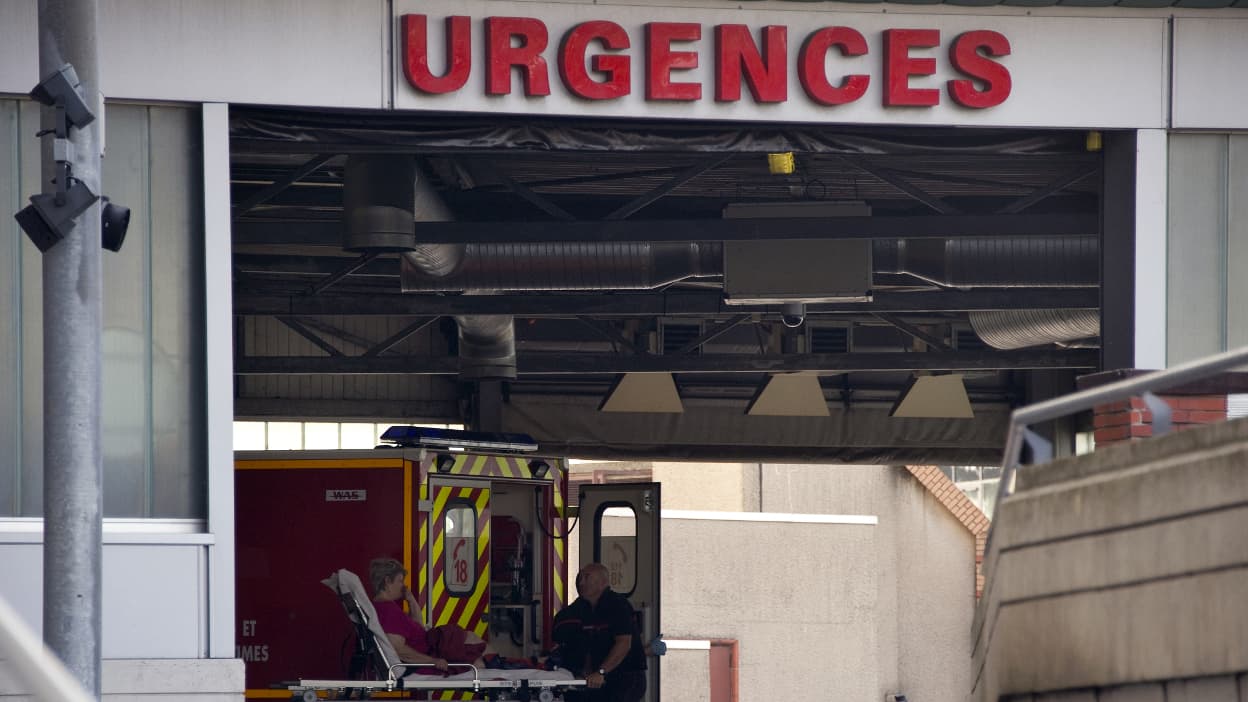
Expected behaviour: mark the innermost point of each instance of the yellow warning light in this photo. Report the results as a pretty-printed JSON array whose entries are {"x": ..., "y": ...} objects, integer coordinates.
[
  {"x": 1093, "y": 142},
  {"x": 780, "y": 164}
]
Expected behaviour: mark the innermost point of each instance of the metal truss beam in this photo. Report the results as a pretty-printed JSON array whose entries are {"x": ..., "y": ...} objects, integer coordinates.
[
  {"x": 611, "y": 333},
  {"x": 298, "y": 327},
  {"x": 539, "y": 363},
  {"x": 273, "y": 190},
  {"x": 341, "y": 273},
  {"x": 903, "y": 185},
  {"x": 699, "y": 304},
  {"x": 713, "y": 333},
  {"x": 913, "y": 331},
  {"x": 681, "y": 178},
  {"x": 329, "y": 233}
]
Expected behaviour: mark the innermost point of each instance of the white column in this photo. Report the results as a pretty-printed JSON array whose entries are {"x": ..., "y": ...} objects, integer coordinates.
[
  {"x": 219, "y": 356},
  {"x": 1150, "y": 248}
]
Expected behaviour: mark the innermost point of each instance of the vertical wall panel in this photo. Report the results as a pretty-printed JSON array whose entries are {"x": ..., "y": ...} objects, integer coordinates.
[
  {"x": 1237, "y": 243},
  {"x": 1196, "y": 289},
  {"x": 32, "y": 325},
  {"x": 10, "y": 312},
  {"x": 178, "y": 365},
  {"x": 127, "y": 311}
]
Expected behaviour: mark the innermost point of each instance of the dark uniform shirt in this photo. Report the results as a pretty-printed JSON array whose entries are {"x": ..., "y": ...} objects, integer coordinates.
[{"x": 583, "y": 629}]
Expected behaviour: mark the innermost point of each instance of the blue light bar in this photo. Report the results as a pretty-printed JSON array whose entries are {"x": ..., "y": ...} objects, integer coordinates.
[{"x": 417, "y": 437}]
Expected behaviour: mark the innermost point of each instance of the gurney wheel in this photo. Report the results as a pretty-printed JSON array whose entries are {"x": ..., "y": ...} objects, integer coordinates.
[
  {"x": 545, "y": 696},
  {"x": 309, "y": 696}
]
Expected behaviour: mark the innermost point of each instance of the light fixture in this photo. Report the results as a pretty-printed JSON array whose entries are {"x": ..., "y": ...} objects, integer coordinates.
[
  {"x": 538, "y": 468},
  {"x": 643, "y": 392},
  {"x": 114, "y": 220},
  {"x": 789, "y": 395},
  {"x": 46, "y": 221},
  {"x": 444, "y": 462},
  {"x": 781, "y": 163},
  {"x": 933, "y": 397}
]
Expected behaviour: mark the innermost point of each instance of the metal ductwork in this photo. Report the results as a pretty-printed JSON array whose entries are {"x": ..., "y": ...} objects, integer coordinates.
[
  {"x": 565, "y": 266},
  {"x": 1006, "y": 263},
  {"x": 1016, "y": 329},
  {"x": 384, "y": 197},
  {"x": 378, "y": 203}
]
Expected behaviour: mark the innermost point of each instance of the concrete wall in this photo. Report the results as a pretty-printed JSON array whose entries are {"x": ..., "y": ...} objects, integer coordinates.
[
  {"x": 727, "y": 487},
  {"x": 925, "y": 570},
  {"x": 1122, "y": 572},
  {"x": 216, "y": 680}
]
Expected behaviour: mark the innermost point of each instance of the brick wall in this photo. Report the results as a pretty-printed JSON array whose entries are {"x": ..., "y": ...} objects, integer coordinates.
[{"x": 1130, "y": 419}]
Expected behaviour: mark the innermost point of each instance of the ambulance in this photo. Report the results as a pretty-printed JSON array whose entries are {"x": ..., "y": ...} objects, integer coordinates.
[{"x": 481, "y": 522}]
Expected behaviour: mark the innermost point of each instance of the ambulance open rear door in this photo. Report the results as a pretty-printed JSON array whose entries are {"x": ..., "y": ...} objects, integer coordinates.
[{"x": 620, "y": 527}]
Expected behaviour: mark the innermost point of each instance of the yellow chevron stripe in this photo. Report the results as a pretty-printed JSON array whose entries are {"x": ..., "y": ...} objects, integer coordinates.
[
  {"x": 478, "y": 465},
  {"x": 424, "y": 543}
]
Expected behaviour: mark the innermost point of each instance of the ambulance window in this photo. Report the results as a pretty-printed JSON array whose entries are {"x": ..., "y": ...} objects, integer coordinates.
[
  {"x": 460, "y": 567},
  {"x": 617, "y": 545}
]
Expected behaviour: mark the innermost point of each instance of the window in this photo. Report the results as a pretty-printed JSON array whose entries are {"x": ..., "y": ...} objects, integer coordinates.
[
  {"x": 978, "y": 483},
  {"x": 459, "y": 572},
  {"x": 617, "y": 545},
  {"x": 153, "y": 420},
  {"x": 293, "y": 436}
]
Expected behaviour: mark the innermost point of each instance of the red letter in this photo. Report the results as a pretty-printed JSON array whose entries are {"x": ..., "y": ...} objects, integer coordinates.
[
  {"x": 898, "y": 67},
  {"x": 500, "y": 55},
  {"x": 735, "y": 49},
  {"x": 661, "y": 60},
  {"x": 572, "y": 61},
  {"x": 967, "y": 59},
  {"x": 416, "y": 54},
  {"x": 810, "y": 66}
]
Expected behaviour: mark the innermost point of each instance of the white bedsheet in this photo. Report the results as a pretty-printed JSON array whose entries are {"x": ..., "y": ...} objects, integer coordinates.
[{"x": 495, "y": 674}]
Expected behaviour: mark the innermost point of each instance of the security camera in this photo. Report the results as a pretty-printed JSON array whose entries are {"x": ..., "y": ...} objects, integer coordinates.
[
  {"x": 60, "y": 88},
  {"x": 793, "y": 314}
]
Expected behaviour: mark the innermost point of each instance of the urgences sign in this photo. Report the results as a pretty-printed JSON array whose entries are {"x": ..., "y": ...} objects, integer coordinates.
[{"x": 593, "y": 61}]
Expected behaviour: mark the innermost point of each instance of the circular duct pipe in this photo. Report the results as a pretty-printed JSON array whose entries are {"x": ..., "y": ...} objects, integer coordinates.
[
  {"x": 378, "y": 203},
  {"x": 1017, "y": 329}
]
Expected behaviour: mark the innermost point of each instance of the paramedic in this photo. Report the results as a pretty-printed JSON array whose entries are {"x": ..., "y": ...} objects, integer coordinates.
[
  {"x": 615, "y": 662},
  {"x": 403, "y": 630}
]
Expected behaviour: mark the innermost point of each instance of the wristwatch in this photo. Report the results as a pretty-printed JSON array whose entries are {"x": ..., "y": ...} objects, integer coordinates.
[{"x": 602, "y": 672}]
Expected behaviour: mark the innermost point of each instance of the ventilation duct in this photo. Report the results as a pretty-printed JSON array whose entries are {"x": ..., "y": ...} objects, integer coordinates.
[
  {"x": 565, "y": 266},
  {"x": 383, "y": 198},
  {"x": 378, "y": 202},
  {"x": 1060, "y": 262},
  {"x": 1016, "y": 329}
]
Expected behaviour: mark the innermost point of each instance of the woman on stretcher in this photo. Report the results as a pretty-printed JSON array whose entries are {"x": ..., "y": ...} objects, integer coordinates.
[{"x": 404, "y": 629}]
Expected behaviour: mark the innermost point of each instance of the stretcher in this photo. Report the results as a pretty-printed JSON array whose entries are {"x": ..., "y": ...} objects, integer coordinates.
[{"x": 485, "y": 683}]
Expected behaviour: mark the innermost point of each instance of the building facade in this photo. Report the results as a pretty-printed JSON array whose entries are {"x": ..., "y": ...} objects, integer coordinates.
[{"x": 1163, "y": 82}]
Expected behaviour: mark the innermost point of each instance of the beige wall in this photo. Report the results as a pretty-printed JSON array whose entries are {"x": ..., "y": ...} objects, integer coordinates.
[
  {"x": 846, "y": 612},
  {"x": 925, "y": 565},
  {"x": 726, "y": 487}
]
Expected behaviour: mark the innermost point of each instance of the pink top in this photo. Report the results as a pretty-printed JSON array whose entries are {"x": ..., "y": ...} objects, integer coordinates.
[{"x": 394, "y": 620}]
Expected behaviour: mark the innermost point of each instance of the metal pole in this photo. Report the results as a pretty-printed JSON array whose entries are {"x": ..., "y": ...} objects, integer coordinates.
[{"x": 72, "y": 386}]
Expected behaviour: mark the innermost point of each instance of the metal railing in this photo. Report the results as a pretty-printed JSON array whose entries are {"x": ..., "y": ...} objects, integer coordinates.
[
  {"x": 1022, "y": 419},
  {"x": 45, "y": 677}
]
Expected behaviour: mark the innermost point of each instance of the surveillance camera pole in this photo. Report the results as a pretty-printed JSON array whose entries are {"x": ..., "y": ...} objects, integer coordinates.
[{"x": 72, "y": 378}]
